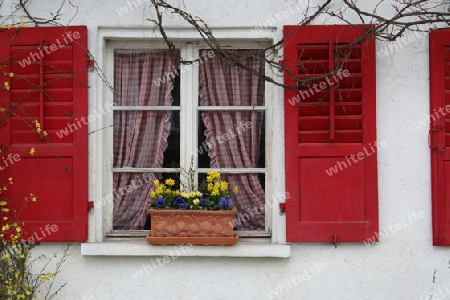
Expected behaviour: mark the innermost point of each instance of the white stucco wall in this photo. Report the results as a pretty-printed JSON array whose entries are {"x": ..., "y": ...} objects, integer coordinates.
[{"x": 404, "y": 265}]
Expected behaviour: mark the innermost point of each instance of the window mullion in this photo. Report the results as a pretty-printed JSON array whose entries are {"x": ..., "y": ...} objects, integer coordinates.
[
  {"x": 187, "y": 102},
  {"x": 193, "y": 154}
]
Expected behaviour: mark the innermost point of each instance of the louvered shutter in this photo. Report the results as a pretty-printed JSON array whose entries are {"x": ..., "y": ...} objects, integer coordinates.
[
  {"x": 49, "y": 85},
  {"x": 439, "y": 135},
  {"x": 330, "y": 131}
]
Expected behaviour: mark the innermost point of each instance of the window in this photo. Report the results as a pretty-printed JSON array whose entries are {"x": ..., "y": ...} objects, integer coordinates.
[
  {"x": 330, "y": 132},
  {"x": 209, "y": 115},
  {"x": 439, "y": 135},
  {"x": 49, "y": 88}
]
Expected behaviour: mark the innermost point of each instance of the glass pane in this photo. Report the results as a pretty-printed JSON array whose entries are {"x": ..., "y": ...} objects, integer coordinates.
[
  {"x": 232, "y": 139},
  {"x": 172, "y": 153},
  {"x": 176, "y": 90},
  {"x": 143, "y": 78},
  {"x": 249, "y": 199},
  {"x": 142, "y": 139},
  {"x": 222, "y": 83},
  {"x": 131, "y": 192}
]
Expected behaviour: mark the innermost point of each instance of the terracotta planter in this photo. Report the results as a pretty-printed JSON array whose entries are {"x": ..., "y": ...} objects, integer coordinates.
[{"x": 199, "y": 227}]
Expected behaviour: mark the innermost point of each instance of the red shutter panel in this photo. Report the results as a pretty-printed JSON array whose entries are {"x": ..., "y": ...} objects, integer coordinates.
[
  {"x": 330, "y": 130},
  {"x": 439, "y": 138},
  {"x": 49, "y": 85}
]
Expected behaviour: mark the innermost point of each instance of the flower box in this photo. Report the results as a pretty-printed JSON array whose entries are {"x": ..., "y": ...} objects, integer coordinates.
[{"x": 197, "y": 227}]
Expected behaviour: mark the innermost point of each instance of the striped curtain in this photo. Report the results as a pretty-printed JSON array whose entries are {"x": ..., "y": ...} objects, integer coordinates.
[
  {"x": 141, "y": 78},
  {"x": 225, "y": 84}
]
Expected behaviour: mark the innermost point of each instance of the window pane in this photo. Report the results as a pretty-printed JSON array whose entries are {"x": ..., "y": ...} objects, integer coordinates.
[
  {"x": 249, "y": 200},
  {"x": 231, "y": 139},
  {"x": 225, "y": 84},
  {"x": 131, "y": 198},
  {"x": 144, "y": 78},
  {"x": 131, "y": 195},
  {"x": 146, "y": 139}
]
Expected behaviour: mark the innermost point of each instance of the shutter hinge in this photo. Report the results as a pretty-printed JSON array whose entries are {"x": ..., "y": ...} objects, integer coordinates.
[
  {"x": 90, "y": 205},
  {"x": 282, "y": 207},
  {"x": 282, "y": 64},
  {"x": 91, "y": 64},
  {"x": 433, "y": 129}
]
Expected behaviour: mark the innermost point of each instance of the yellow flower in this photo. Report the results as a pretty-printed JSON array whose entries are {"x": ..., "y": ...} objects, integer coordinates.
[
  {"x": 2, "y": 109},
  {"x": 32, "y": 151},
  {"x": 156, "y": 182},
  {"x": 215, "y": 192},
  {"x": 11, "y": 74},
  {"x": 210, "y": 176},
  {"x": 160, "y": 189},
  {"x": 6, "y": 26},
  {"x": 223, "y": 185},
  {"x": 22, "y": 23},
  {"x": 6, "y": 86},
  {"x": 235, "y": 189},
  {"x": 170, "y": 182},
  {"x": 196, "y": 201},
  {"x": 44, "y": 133}
]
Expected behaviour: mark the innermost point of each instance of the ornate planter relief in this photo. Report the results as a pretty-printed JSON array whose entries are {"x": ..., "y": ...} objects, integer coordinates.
[{"x": 197, "y": 227}]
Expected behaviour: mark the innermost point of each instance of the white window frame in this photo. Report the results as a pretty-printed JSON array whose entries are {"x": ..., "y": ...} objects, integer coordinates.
[{"x": 100, "y": 144}]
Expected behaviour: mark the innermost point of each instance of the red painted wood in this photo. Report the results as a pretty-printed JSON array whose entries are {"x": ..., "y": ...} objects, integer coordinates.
[
  {"x": 53, "y": 90},
  {"x": 331, "y": 90},
  {"x": 344, "y": 204},
  {"x": 439, "y": 132}
]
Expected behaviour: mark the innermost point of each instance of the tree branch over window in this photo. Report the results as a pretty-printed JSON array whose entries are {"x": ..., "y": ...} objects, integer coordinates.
[{"x": 408, "y": 15}]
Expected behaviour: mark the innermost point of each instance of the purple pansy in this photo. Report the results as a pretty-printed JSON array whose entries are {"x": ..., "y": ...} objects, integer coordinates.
[
  {"x": 184, "y": 205},
  {"x": 160, "y": 202},
  {"x": 224, "y": 202},
  {"x": 178, "y": 200}
]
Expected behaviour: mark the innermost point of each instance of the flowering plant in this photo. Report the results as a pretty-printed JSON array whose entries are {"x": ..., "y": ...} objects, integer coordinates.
[
  {"x": 17, "y": 278},
  {"x": 212, "y": 195}
]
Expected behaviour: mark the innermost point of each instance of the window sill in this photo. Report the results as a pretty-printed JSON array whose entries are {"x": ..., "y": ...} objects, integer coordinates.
[{"x": 142, "y": 248}]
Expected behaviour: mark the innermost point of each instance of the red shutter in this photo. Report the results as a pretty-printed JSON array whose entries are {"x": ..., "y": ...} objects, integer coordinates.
[
  {"x": 49, "y": 85},
  {"x": 439, "y": 138},
  {"x": 327, "y": 124}
]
